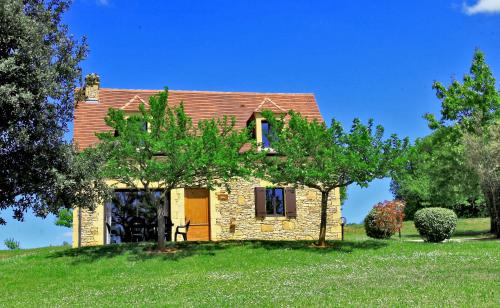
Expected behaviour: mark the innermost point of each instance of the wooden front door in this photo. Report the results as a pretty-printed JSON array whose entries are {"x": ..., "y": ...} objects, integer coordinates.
[{"x": 197, "y": 211}]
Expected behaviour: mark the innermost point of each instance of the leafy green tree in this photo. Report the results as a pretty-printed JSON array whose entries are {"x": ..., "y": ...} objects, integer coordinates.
[
  {"x": 39, "y": 69},
  {"x": 64, "y": 218},
  {"x": 483, "y": 155},
  {"x": 436, "y": 175},
  {"x": 159, "y": 149},
  {"x": 439, "y": 172},
  {"x": 471, "y": 108},
  {"x": 469, "y": 105},
  {"x": 78, "y": 180},
  {"x": 325, "y": 158},
  {"x": 343, "y": 195}
]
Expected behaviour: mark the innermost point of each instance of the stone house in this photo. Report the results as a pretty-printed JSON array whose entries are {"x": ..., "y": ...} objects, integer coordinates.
[{"x": 255, "y": 209}]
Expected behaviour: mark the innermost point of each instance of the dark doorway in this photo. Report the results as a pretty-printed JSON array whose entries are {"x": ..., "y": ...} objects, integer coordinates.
[{"x": 130, "y": 218}]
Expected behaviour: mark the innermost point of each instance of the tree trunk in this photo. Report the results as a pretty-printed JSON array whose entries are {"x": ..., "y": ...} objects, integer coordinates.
[
  {"x": 168, "y": 223},
  {"x": 322, "y": 226},
  {"x": 160, "y": 217},
  {"x": 492, "y": 198},
  {"x": 152, "y": 201},
  {"x": 493, "y": 225}
]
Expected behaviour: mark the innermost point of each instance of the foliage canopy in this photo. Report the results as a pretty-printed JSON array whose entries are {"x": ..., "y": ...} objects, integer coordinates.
[
  {"x": 325, "y": 158},
  {"x": 39, "y": 70},
  {"x": 440, "y": 171},
  {"x": 159, "y": 148}
]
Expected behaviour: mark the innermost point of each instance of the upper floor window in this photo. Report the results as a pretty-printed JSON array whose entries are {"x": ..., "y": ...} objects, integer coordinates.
[
  {"x": 142, "y": 125},
  {"x": 266, "y": 143},
  {"x": 263, "y": 133},
  {"x": 145, "y": 126}
]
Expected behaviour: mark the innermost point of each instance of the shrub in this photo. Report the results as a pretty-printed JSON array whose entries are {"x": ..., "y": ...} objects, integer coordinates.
[
  {"x": 11, "y": 244},
  {"x": 435, "y": 224},
  {"x": 371, "y": 228},
  {"x": 385, "y": 219}
]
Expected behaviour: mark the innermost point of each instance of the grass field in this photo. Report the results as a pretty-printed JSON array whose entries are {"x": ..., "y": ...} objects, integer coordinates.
[
  {"x": 356, "y": 272},
  {"x": 466, "y": 228}
]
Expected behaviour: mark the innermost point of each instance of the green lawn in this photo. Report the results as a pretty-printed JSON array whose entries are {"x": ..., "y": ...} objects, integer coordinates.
[
  {"x": 356, "y": 272},
  {"x": 466, "y": 228}
]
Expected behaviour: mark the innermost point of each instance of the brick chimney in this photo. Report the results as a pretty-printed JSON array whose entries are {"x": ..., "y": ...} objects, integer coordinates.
[{"x": 92, "y": 88}]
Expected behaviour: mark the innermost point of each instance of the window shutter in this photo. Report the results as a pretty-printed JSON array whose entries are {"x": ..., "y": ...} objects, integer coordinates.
[
  {"x": 260, "y": 202},
  {"x": 290, "y": 202}
]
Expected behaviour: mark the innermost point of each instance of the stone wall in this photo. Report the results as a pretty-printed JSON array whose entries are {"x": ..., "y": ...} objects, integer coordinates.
[
  {"x": 92, "y": 229},
  {"x": 234, "y": 215}
]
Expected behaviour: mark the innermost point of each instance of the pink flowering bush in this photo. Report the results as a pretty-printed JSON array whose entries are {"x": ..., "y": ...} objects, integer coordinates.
[{"x": 385, "y": 219}]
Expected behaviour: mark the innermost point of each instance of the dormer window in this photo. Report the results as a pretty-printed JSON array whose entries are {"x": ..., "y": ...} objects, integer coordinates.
[
  {"x": 262, "y": 130},
  {"x": 266, "y": 143},
  {"x": 143, "y": 126},
  {"x": 262, "y": 133}
]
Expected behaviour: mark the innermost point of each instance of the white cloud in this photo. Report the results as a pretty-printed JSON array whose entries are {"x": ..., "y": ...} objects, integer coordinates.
[{"x": 483, "y": 6}]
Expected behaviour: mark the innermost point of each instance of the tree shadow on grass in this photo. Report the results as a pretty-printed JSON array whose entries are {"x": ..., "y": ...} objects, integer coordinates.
[
  {"x": 180, "y": 250},
  {"x": 333, "y": 246},
  {"x": 464, "y": 233},
  {"x": 456, "y": 234},
  {"x": 138, "y": 251}
]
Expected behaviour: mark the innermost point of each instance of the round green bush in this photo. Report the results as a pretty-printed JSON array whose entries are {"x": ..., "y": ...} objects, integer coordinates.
[
  {"x": 435, "y": 224},
  {"x": 371, "y": 228}
]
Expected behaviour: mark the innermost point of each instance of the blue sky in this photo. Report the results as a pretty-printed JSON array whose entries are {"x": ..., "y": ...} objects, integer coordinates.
[{"x": 366, "y": 59}]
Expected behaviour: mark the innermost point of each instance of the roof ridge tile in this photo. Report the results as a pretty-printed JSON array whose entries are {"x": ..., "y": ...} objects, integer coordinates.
[{"x": 207, "y": 91}]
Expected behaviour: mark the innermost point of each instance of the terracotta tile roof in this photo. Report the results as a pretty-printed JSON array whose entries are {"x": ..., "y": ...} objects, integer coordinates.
[
  {"x": 89, "y": 117},
  {"x": 268, "y": 104}
]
